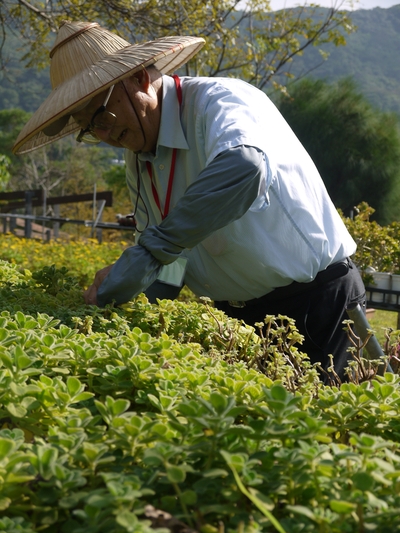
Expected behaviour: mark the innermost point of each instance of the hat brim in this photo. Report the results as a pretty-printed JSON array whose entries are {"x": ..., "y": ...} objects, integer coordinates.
[{"x": 54, "y": 115}]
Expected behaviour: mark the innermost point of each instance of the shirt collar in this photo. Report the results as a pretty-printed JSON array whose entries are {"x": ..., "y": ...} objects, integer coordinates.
[{"x": 171, "y": 133}]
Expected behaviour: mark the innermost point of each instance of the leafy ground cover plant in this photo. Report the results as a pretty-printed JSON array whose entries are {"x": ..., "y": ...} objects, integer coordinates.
[
  {"x": 377, "y": 246},
  {"x": 82, "y": 258},
  {"x": 179, "y": 418}
]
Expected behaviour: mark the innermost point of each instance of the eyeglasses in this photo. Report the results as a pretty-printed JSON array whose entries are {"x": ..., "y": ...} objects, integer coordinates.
[{"x": 102, "y": 120}]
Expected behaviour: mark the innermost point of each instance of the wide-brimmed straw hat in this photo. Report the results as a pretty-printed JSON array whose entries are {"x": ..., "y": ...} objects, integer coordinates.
[{"x": 86, "y": 59}]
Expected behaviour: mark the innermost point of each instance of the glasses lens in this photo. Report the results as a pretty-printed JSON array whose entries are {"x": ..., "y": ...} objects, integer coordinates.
[
  {"x": 104, "y": 121},
  {"x": 89, "y": 138}
]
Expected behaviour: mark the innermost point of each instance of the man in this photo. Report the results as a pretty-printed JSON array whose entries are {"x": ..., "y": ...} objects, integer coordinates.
[{"x": 226, "y": 199}]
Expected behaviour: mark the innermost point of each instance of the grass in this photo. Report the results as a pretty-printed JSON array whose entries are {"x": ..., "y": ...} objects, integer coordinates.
[{"x": 381, "y": 321}]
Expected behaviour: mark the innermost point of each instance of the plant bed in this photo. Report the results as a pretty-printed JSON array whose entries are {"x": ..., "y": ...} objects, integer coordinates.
[{"x": 114, "y": 417}]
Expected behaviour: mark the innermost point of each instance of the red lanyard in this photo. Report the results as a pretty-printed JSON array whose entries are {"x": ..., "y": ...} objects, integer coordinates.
[{"x": 172, "y": 169}]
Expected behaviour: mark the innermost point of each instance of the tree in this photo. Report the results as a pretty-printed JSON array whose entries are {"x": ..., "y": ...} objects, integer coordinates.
[
  {"x": 253, "y": 43},
  {"x": 355, "y": 147},
  {"x": 11, "y": 122},
  {"x": 65, "y": 167},
  {"x": 4, "y": 172}
]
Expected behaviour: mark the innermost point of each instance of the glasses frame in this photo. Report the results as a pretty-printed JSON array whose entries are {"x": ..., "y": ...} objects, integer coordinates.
[{"x": 91, "y": 126}]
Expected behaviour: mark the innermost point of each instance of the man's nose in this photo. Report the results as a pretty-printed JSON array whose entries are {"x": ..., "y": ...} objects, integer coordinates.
[{"x": 102, "y": 133}]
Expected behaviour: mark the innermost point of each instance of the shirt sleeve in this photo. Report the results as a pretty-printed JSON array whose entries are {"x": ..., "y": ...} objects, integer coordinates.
[{"x": 223, "y": 192}]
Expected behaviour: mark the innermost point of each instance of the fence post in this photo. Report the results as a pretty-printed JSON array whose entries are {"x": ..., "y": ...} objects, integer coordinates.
[
  {"x": 56, "y": 225},
  {"x": 99, "y": 231},
  {"x": 13, "y": 222},
  {"x": 28, "y": 211}
]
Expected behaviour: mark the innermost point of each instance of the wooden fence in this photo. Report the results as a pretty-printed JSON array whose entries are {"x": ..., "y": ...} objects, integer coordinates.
[{"x": 26, "y": 224}]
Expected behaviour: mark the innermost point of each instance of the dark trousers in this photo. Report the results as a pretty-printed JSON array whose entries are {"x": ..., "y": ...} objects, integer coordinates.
[{"x": 319, "y": 313}]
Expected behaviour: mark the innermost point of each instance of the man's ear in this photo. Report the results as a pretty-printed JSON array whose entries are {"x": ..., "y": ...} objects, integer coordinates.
[{"x": 142, "y": 79}]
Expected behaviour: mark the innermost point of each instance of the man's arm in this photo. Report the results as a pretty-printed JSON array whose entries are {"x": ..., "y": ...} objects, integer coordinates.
[{"x": 224, "y": 191}]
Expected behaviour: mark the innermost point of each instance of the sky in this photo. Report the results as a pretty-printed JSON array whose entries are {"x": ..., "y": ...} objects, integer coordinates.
[{"x": 361, "y": 4}]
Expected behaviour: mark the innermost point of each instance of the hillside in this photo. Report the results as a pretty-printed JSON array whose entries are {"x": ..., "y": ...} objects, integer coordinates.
[
  {"x": 370, "y": 57},
  {"x": 21, "y": 87}
]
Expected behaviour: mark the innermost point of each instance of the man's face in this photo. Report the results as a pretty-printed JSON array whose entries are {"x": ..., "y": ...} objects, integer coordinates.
[{"x": 135, "y": 104}]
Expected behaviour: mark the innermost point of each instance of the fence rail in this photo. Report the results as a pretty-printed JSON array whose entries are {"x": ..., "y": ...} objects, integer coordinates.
[
  {"x": 10, "y": 202},
  {"x": 384, "y": 299}
]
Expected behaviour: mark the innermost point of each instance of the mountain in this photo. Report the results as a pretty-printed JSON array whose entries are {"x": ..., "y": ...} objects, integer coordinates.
[
  {"x": 21, "y": 87},
  {"x": 370, "y": 57}
]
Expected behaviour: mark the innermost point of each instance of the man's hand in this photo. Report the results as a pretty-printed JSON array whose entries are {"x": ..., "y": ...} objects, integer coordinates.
[{"x": 90, "y": 295}]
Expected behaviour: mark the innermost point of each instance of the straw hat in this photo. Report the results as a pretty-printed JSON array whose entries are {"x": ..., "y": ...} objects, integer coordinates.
[{"x": 86, "y": 59}]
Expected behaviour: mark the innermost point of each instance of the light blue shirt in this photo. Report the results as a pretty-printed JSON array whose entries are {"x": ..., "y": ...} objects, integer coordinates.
[{"x": 249, "y": 209}]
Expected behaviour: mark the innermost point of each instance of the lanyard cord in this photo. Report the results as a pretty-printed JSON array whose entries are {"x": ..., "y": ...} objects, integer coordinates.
[
  {"x": 172, "y": 169},
  {"x": 139, "y": 197}
]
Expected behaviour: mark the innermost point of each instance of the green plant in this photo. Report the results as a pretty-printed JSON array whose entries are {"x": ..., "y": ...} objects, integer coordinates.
[{"x": 127, "y": 419}]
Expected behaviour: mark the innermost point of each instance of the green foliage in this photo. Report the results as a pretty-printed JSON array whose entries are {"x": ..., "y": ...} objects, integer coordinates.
[
  {"x": 20, "y": 87},
  {"x": 378, "y": 247},
  {"x": 116, "y": 179},
  {"x": 143, "y": 416},
  {"x": 4, "y": 173},
  {"x": 237, "y": 41},
  {"x": 123, "y": 419},
  {"x": 355, "y": 147},
  {"x": 65, "y": 167},
  {"x": 82, "y": 258},
  {"x": 367, "y": 57},
  {"x": 11, "y": 121}
]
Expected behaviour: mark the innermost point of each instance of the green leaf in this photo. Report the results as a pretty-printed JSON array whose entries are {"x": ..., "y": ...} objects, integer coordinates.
[
  {"x": 342, "y": 507},
  {"x": 154, "y": 401},
  {"x": 29, "y": 403},
  {"x": 7, "y": 361},
  {"x": 189, "y": 408},
  {"x": 16, "y": 410},
  {"x": 189, "y": 497},
  {"x": 160, "y": 428},
  {"x": 215, "y": 472},
  {"x": 46, "y": 380},
  {"x": 117, "y": 407},
  {"x": 278, "y": 392},
  {"x": 18, "y": 390},
  {"x": 128, "y": 521},
  {"x": 23, "y": 361},
  {"x": 83, "y": 396},
  {"x": 48, "y": 340},
  {"x": 152, "y": 457},
  {"x": 101, "y": 408},
  {"x": 218, "y": 401},
  {"x": 386, "y": 390},
  {"x": 242, "y": 430},
  {"x": 74, "y": 386},
  {"x": 94, "y": 451},
  {"x": 176, "y": 474},
  {"x": 302, "y": 510},
  {"x": 6, "y": 447},
  {"x": 47, "y": 456},
  {"x": 234, "y": 460},
  {"x": 4, "y": 503},
  {"x": 363, "y": 481}
]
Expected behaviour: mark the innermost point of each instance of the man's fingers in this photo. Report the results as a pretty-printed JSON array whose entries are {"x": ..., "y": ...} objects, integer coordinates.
[
  {"x": 90, "y": 296},
  {"x": 101, "y": 275}
]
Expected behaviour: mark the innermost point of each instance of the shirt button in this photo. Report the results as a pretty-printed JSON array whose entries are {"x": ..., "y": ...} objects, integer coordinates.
[{"x": 161, "y": 167}]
